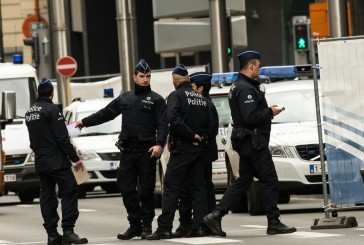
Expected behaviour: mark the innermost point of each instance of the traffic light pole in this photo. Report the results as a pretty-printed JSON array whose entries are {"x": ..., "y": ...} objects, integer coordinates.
[
  {"x": 218, "y": 35},
  {"x": 60, "y": 48}
]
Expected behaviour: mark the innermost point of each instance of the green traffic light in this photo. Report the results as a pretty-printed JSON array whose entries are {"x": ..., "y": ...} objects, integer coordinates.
[
  {"x": 229, "y": 50},
  {"x": 301, "y": 43}
]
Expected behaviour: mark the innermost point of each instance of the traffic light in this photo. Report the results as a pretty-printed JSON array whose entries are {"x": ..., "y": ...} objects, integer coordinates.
[
  {"x": 229, "y": 45},
  {"x": 34, "y": 43},
  {"x": 301, "y": 37}
]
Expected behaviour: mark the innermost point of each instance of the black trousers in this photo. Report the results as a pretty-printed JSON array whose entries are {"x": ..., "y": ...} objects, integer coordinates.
[
  {"x": 68, "y": 189},
  {"x": 182, "y": 168},
  {"x": 185, "y": 202},
  {"x": 137, "y": 167},
  {"x": 259, "y": 164}
]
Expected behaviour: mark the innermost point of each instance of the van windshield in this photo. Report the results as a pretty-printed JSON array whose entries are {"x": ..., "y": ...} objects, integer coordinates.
[{"x": 25, "y": 93}]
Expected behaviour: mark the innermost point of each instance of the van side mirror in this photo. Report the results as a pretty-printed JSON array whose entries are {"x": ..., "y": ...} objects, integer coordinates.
[{"x": 8, "y": 107}]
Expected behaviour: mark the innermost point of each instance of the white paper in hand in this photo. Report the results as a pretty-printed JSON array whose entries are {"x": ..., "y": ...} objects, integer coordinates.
[
  {"x": 72, "y": 130},
  {"x": 81, "y": 175}
]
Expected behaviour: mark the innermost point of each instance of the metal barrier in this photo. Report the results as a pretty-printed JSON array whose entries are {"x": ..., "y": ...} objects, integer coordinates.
[{"x": 342, "y": 100}]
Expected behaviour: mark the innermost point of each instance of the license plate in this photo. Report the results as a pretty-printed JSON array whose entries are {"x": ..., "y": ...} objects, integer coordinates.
[
  {"x": 114, "y": 165},
  {"x": 316, "y": 168},
  {"x": 9, "y": 178}
]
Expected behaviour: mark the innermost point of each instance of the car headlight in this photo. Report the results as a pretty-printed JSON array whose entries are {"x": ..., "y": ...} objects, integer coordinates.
[
  {"x": 31, "y": 158},
  {"x": 277, "y": 151},
  {"x": 88, "y": 155}
]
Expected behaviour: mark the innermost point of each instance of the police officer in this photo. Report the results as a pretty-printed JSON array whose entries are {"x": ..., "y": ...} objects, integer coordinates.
[
  {"x": 250, "y": 138},
  {"x": 187, "y": 114},
  {"x": 143, "y": 134},
  {"x": 201, "y": 82},
  {"x": 53, "y": 150}
]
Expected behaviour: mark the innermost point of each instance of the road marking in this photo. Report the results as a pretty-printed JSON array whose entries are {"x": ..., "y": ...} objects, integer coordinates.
[
  {"x": 4, "y": 242},
  {"x": 202, "y": 240},
  {"x": 87, "y": 210},
  {"x": 308, "y": 234},
  {"x": 255, "y": 226}
]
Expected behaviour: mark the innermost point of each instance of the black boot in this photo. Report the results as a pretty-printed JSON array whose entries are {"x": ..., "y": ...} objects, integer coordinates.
[
  {"x": 159, "y": 234},
  {"x": 200, "y": 231},
  {"x": 70, "y": 237},
  {"x": 213, "y": 221},
  {"x": 182, "y": 230},
  {"x": 54, "y": 238},
  {"x": 147, "y": 229},
  {"x": 133, "y": 231},
  {"x": 276, "y": 227}
]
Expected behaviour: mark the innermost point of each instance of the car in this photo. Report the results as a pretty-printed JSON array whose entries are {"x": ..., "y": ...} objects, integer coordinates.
[
  {"x": 221, "y": 83},
  {"x": 96, "y": 145},
  {"x": 294, "y": 142}
]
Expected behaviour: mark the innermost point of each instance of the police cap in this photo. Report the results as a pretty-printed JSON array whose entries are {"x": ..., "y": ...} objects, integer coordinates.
[
  {"x": 200, "y": 77},
  {"x": 180, "y": 70},
  {"x": 248, "y": 55},
  {"x": 45, "y": 85},
  {"x": 142, "y": 67}
]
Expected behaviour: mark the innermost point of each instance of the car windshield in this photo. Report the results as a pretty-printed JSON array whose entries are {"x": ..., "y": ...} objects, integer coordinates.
[
  {"x": 223, "y": 109},
  {"x": 110, "y": 127},
  {"x": 299, "y": 106}
]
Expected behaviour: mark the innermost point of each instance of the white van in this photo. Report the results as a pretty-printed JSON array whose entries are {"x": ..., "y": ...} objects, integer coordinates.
[{"x": 19, "y": 177}]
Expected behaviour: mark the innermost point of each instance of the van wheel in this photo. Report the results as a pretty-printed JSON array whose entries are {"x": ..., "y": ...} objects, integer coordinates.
[
  {"x": 26, "y": 196},
  {"x": 255, "y": 200}
]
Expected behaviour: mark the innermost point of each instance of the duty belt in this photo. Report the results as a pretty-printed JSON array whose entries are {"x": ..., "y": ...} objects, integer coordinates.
[{"x": 137, "y": 144}]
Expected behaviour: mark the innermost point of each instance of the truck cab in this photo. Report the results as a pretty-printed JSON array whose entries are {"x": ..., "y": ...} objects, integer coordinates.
[{"x": 19, "y": 177}]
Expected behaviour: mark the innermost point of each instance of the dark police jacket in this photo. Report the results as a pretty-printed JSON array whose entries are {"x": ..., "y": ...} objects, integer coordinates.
[
  {"x": 213, "y": 129},
  {"x": 187, "y": 115},
  {"x": 143, "y": 116},
  {"x": 249, "y": 108},
  {"x": 49, "y": 137}
]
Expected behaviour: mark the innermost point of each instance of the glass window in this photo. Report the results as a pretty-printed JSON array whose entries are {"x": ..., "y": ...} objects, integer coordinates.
[
  {"x": 223, "y": 109},
  {"x": 25, "y": 93},
  {"x": 299, "y": 106}
]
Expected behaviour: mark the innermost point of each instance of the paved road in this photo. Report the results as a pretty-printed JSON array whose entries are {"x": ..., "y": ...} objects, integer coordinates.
[{"x": 103, "y": 216}]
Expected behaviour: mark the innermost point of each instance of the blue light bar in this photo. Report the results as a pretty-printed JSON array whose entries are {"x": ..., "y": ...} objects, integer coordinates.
[
  {"x": 291, "y": 71},
  {"x": 17, "y": 59},
  {"x": 108, "y": 92},
  {"x": 225, "y": 78},
  {"x": 277, "y": 72}
]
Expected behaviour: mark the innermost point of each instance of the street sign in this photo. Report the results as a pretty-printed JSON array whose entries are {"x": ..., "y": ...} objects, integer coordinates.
[{"x": 66, "y": 66}]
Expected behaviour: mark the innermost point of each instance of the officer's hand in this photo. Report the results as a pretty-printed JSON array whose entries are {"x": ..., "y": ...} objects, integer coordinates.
[
  {"x": 156, "y": 151},
  {"x": 197, "y": 137},
  {"x": 79, "y": 124},
  {"x": 78, "y": 166},
  {"x": 276, "y": 110}
]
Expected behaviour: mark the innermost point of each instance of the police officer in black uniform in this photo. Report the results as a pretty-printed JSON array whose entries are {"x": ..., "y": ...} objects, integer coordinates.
[
  {"x": 54, "y": 152},
  {"x": 201, "y": 82},
  {"x": 187, "y": 114},
  {"x": 143, "y": 134},
  {"x": 250, "y": 138}
]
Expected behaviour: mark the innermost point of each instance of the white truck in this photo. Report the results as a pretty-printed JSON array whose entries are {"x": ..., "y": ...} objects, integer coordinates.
[{"x": 19, "y": 177}]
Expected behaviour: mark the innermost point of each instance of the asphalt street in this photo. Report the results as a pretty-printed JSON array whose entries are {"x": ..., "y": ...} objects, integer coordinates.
[{"x": 103, "y": 216}]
